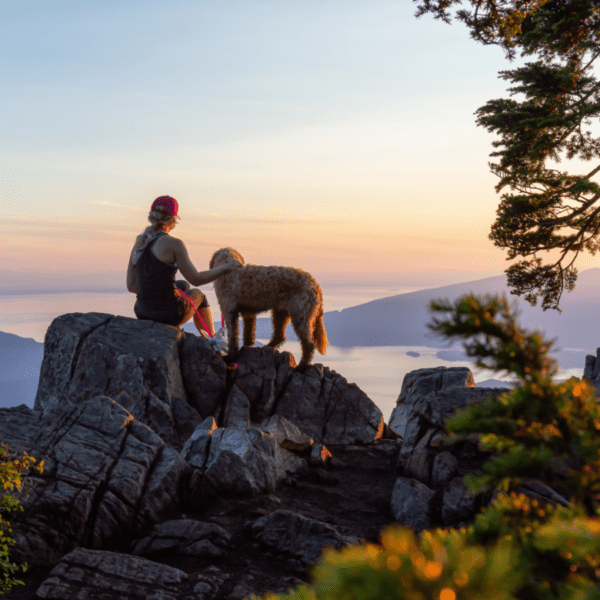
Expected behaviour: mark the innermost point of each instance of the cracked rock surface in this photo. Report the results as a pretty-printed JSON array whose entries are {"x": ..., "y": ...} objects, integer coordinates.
[
  {"x": 171, "y": 380},
  {"x": 106, "y": 476},
  {"x": 111, "y": 576},
  {"x": 320, "y": 402},
  {"x": 134, "y": 362}
]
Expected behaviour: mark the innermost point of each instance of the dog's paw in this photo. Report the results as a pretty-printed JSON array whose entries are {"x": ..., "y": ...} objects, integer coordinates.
[
  {"x": 301, "y": 368},
  {"x": 229, "y": 358}
]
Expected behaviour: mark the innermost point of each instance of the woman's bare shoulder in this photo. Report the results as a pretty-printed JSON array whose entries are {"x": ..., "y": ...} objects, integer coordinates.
[{"x": 174, "y": 242}]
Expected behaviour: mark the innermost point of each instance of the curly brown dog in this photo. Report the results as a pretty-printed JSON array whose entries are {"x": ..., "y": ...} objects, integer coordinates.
[{"x": 287, "y": 292}]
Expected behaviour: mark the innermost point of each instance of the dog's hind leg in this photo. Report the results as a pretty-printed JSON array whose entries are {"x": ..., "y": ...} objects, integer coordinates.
[
  {"x": 249, "y": 329},
  {"x": 303, "y": 328},
  {"x": 231, "y": 322},
  {"x": 280, "y": 320}
]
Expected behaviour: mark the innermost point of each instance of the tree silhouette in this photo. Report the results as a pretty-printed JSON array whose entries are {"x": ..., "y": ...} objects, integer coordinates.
[{"x": 554, "y": 99}]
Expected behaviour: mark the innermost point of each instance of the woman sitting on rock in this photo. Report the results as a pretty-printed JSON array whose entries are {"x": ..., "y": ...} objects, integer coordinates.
[{"x": 154, "y": 260}]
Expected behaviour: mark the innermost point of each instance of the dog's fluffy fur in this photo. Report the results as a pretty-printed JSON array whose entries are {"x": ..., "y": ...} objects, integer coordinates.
[{"x": 290, "y": 294}]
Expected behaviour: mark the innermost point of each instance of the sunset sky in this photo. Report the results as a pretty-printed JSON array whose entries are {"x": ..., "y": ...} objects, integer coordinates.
[{"x": 338, "y": 137}]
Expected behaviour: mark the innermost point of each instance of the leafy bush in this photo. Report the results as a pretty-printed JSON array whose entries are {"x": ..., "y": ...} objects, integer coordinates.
[
  {"x": 516, "y": 548},
  {"x": 11, "y": 469}
]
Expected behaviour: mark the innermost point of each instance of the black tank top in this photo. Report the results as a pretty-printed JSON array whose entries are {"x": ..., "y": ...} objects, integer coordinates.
[{"x": 157, "y": 296}]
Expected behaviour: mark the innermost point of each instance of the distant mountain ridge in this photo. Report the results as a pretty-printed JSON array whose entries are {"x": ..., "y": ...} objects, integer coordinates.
[{"x": 20, "y": 362}]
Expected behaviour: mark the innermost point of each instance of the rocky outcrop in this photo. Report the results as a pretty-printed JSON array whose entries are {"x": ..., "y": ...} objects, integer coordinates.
[
  {"x": 106, "y": 476},
  {"x": 135, "y": 363},
  {"x": 427, "y": 399},
  {"x": 168, "y": 475},
  {"x": 171, "y": 380},
  {"x": 111, "y": 576},
  {"x": 422, "y": 382},
  {"x": 430, "y": 491},
  {"x": 320, "y": 402}
]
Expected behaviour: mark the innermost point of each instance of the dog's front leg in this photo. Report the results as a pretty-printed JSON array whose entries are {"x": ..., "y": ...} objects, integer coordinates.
[
  {"x": 249, "y": 329},
  {"x": 231, "y": 321}
]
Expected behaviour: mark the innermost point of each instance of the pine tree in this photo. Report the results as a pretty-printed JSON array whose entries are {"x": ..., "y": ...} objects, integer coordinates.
[{"x": 554, "y": 99}]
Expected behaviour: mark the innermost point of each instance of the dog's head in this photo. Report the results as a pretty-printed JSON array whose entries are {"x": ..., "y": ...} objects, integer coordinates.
[{"x": 223, "y": 256}]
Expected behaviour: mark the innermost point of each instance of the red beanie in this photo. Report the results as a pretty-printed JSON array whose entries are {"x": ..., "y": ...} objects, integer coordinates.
[{"x": 169, "y": 203}]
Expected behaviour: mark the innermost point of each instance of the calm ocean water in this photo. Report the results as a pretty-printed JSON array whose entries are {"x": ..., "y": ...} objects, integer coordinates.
[{"x": 378, "y": 371}]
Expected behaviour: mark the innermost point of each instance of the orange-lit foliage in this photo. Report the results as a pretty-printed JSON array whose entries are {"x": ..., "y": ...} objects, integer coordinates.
[{"x": 11, "y": 477}]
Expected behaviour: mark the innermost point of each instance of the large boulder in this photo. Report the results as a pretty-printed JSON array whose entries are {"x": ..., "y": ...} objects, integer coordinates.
[
  {"x": 106, "y": 476},
  {"x": 422, "y": 382},
  {"x": 428, "y": 398},
  {"x": 320, "y": 402},
  {"x": 291, "y": 533},
  {"x": 412, "y": 504},
  {"x": 134, "y": 362},
  {"x": 171, "y": 380},
  {"x": 112, "y": 576},
  {"x": 239, "y": 461}
]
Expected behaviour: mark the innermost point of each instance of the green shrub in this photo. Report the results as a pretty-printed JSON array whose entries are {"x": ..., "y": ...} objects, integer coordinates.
[
  {"x": 11, "y": 470},
  {"x": 516, "y": 548}
]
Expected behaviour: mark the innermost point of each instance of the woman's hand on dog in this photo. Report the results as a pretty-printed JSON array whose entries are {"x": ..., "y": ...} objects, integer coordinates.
[
  {"x": 232, "y": 265},
  {"x": 216, "y": 272}
]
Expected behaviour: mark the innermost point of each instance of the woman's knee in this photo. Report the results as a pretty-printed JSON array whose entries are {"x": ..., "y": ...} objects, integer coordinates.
[{"x": 199, "y": 298}]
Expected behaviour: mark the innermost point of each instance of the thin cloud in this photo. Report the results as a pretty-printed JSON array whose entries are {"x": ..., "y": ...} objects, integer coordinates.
[
  {"x": 106, "y": 203},
  {"x": 283, "y": 219}
]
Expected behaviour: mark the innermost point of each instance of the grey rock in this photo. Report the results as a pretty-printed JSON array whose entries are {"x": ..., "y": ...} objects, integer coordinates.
[
  {"x": 411, "y": 503},
  {"x": 588, "y": 369},
  {"x": 240, "y": 461},
  {"x": 286, "y": 433},
  {"x": 204, "y": 375},
  {"x": 418, "y": 463},
  {"x": 240, "y": 592},
  {"x": 208, "y": 584},
  {"x": 134, "y": 362},
  {"x": 170, "y": 380},
  {"x": 422, "y": 382},
  {"x": 428, "y": 398},
  {"x": 186, "y": 537},
  {"x": 105, "y": 475},
  {"x": 323, "y": 405},
  {"x": 261, "y": 375},
  {"x": 84, "y": 574},
  {"x": 445, "y": 467},
  {"x": 237, "y": 408},
  {"x": 206, "y": 587},
  {"x": 289, "y": 532},
  {"x": 457, "y": 505},
  {"x": 195, "y": 450},
  {"x": 186, "y": 418},
  {"x": 320, "y": 402}
]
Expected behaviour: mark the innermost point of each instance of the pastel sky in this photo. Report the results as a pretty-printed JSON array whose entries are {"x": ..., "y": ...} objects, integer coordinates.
[{"x": 338, "y": 137}]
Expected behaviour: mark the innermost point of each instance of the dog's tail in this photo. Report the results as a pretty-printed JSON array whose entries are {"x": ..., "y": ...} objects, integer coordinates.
[{"x": 319, "y": 333}]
